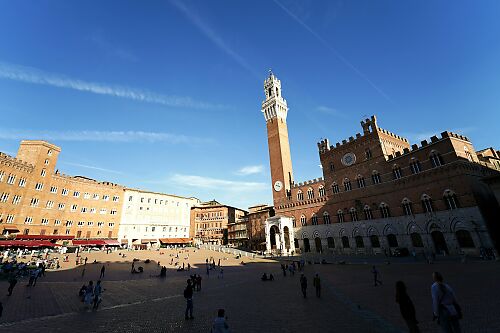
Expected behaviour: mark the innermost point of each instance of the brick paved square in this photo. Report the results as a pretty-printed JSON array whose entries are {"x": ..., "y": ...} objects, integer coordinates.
[{"x": 145, "y": 303}]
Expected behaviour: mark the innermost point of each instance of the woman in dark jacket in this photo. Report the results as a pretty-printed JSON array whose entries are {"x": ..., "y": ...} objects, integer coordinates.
[{"x": 406, "y": 307}]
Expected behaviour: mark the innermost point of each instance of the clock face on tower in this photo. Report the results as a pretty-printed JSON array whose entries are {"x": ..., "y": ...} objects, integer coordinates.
[
  {"x": 348, "y": 159},
  {"x": 278, "y": 186}
]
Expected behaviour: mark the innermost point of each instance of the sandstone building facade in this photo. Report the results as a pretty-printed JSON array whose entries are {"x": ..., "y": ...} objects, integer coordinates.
[
  {"x": 38, "y": 200},
  {"x": 210, "y": 221},
  {"x": 378, "y": 192}
]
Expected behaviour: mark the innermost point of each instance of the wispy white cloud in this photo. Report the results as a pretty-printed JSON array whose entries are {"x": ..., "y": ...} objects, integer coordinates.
[
  {"x": 250, "y": 170},
  {"x": 111, "y": 49},
  {"x": 222, "y": 185},
  {"x": 101, "y": 136},
  {"x": 213, "y": 36},
  {"x": 330, "y": 111},
  {"x": 333, "y": 50},
  {"x": 36, "y": 76},
  {"x": 92, "y": 167}
]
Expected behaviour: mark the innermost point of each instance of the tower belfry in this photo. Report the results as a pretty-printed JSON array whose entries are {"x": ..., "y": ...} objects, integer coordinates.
[{"x": 275, "y": 110}]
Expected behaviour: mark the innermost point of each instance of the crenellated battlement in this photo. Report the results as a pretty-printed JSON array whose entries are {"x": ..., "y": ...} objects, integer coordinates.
[
  {"x": 369, "y": 126},
  {"x": 308, "y": 182},
  {"x": 15, "y": 162},
  {"x": 425, "y": 143}
]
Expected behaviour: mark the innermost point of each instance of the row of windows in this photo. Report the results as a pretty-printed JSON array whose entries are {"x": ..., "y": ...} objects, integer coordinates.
[
  {"x": 45, "y": 221},
  {"x": 449, "y": 197},
  {"x": 156, "y": 201},
  {"x": 50, "y": 204},
  {"x": 68, "y": 232},
  {"x": 463, "y": 237}
]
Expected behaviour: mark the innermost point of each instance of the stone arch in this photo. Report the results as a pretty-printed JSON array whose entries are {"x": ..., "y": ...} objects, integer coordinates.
[
  {"x": 373, "y": 231},
  {"x": 356, "y": 232},
  {"x": 304, "y": 235},
  {"x": 342, "y": 232},
  {"x": 413, "y": 227},
  {"x": 458, "y": 224},
  {"x": 389, "y": 229},
  {"x": 316, "y": 234}
]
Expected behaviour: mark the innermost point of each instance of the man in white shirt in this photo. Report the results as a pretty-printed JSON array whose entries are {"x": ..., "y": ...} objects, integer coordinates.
[{"x": 444, "y": 305}]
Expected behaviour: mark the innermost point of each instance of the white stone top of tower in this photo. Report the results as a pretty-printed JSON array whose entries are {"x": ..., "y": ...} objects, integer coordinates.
[{"x": 274, "y": 106}]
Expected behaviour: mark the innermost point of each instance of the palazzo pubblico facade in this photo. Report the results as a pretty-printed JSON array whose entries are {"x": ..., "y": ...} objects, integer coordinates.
[{"x": 378, "y": 192}]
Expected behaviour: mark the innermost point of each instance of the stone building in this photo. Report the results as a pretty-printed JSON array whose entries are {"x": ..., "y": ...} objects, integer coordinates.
[
  {"x": 36, "y": 199},
  {"x": 257, "y": 216},
  {"x": 378, "y": 192},
  {"x": 210, "y": 222},
  {"x": 152, "y": 219}
]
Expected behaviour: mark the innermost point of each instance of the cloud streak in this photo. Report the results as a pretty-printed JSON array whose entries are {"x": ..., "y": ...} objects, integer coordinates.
[
  {"x": 93, "y": 167},
  {"x": 36, "y": 76},
  {"x": 250, "y": 170},
  {"x": 102, "y": 136},
  {"x": 219, "y": 184},
  {"x": 329, "y": 111},
  {"x": 213, "y": 36},
  {"x": 333, "y": 50}
]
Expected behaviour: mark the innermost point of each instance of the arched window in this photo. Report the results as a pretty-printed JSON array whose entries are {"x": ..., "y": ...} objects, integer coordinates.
[
  {"x": 326, "y": 218},
  {"x": 331, "y": 242},
  {"x": 321, "y": 191},
  {"x": 384, "y": 210},
  {"x": 300, "y": 195},
  {"x": 396, "y": 171},
  {"x": 314, "y": 219},
  {"x": 368, "y": 212},
  {"x": 464, "y": 239},
  {"x": 359, "y": 242},
  {"x": 347, "y": 185},
  {"x": 345, "y": 242},
  {"x": 415, "y": 166},
  {"x": 310, "y": 193},
  {"x": 375, "y": 241},
  {"x": 361, "y": 181},
  {"x": 450, "y": 199},
  {"x": 354, "y": 214},
  {"x": 468, "y": 154},
  {"x": 407, "y": 207},
  {"x": 427, "y": 203},
  {"x": 435, "y": 159},
  {"x": 335, "y": 188},
  {"x": 294, "y": 223},
  {"x": 368, "y": 153},
  {"x": 376, "y": 177},
  {"x": 416, "y": 240},
  {"x": 392, "y": 240},
  {"x": 303, "y": 221},
  {"x": 332, "y": 166},
  {"x": 340, "y": 215}
]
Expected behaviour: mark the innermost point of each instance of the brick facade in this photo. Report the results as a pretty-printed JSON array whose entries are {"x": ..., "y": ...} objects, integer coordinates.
[{"x": 379, "y": 192}]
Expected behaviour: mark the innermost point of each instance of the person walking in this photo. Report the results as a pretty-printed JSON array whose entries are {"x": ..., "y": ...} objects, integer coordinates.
[
  {"x": 188, "y": 295},
  {"x": 406, "y": 307},
  {"x": 376, "y": 275},
  {"x": 303, "y": 285},
  {"x": 444, "y": 305},
  {"x": 220, "y": 325},
  {"x": 97, "y": 294},
  {"x": 89, "y": 293},
  {"x": 103, "y": 269},
  {"x": 12, "y": 284},
  {"x": 317, "y": 285}
]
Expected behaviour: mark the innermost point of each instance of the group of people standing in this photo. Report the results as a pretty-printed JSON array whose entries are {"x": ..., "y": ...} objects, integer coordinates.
[{"x": 91, "y": 295}]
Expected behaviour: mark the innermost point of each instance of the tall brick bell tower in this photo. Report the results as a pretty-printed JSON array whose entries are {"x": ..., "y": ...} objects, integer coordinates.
[
  {"x": 275, "y": 110},
  {"x": 279, "y": 228}
]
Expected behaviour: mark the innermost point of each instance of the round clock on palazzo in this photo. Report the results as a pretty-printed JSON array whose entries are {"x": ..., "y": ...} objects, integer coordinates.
[
  {"x": 278, "y": 186},
  {"x": 348, "y": 159}
]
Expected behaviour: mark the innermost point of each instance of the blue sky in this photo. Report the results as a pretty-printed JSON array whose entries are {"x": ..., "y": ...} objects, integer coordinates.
[{"x": 166, "y": 95}]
